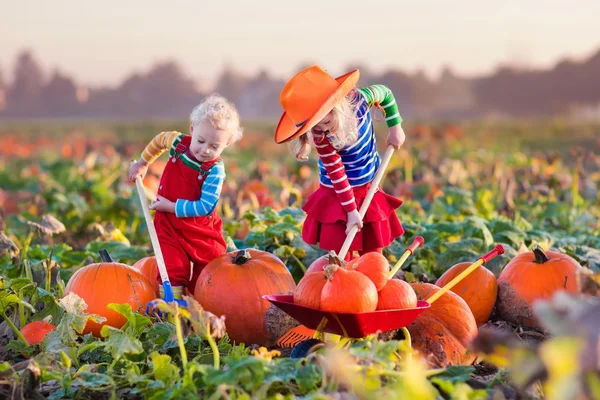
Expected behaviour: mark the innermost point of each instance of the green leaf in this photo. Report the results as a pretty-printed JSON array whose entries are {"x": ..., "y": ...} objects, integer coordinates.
[
  {"x": 20, "y": 347},
  {"x": 8, "y": 299},
  {"x": 93, "y": 380},
  {"x": 475, "y": 227},
  {"x": 249, "y": 373},
  {"x": 307, "y": 376},
  {"x": 284, "y": 252},
  {"x": 507, "y": 232},
  {"x": 73, "y": 321},
  {"x": 159, "y": 335},
  {"x": 118, "y": 343},
  {"x": 136, "y": 323},
  {"x": 51, "y": 307},
  {"x": 163, "y": 369},
  {"x": 456, "y": 373},
  {"x": 89, "y": 347}
]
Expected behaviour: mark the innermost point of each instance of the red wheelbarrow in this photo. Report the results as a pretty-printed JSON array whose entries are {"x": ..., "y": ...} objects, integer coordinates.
[{"x": 347, "y": 326}]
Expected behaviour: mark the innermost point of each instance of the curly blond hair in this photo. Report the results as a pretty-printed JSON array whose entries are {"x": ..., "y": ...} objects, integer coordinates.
[{"x": 221, "y": 113}]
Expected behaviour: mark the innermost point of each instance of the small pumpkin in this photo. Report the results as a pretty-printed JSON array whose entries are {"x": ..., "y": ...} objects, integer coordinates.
[
  {"x": 396, "y": 295},
  {"x": 374, "y": 265},
  {"x": 108, "y": 282},
  {"x": 531, "y": 276},
  {"x": 318, "y": 265},
  {"x": 347, "y": 291},
  {"x": 34, "y": 332},
  {"x": 233, "y": 285},
  {"x": 479, "y": 289},
  {"x": 148, "y": 267},
  {"x": 443, "y": 332},
  {"x": 309, "y": 289}
]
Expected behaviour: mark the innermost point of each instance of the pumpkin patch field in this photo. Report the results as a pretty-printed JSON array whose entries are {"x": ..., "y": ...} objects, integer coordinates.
[{"x": 77, "y": 268}]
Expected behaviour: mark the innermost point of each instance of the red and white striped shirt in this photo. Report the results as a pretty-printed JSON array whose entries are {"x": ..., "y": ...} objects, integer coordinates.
[{"x": 336, "y": 172}]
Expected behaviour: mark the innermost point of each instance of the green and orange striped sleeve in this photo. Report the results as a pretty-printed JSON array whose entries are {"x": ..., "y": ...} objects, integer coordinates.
[
  {"x": 382, "y": 95},
  {"x": 161, "y": 142}
]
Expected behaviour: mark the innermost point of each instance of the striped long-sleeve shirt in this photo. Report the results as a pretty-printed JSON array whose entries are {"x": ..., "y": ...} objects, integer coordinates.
[
  {"x": 211, "y": 185},
  {"x": 357, "y": 164}
]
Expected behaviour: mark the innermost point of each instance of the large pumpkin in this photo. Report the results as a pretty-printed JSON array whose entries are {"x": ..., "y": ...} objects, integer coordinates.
[
  {"x": 148, "y": 267},
  {"x": 233, "y": 285},
  {"x": 443, "y": 332},
  {"x": 396, "y": 295},
  {"x": 347, "y": 291},
  {"x": 479, "y": 289},
  {"x": 110, "y": 282},
  {"x": 531, "y": 276}
]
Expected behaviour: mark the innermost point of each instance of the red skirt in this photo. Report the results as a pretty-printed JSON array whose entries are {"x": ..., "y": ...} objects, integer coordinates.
[{"x": 325, "y": 222}]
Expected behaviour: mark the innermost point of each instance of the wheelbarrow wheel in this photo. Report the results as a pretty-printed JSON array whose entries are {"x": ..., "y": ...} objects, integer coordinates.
[{"x": 306, "y": 347}]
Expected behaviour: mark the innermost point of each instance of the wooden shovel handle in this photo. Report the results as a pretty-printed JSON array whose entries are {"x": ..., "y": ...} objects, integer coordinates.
[{"x": 367, "y": 201}]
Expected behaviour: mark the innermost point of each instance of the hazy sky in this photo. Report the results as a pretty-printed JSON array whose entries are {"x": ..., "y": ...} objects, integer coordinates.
[{"x": 101, "y": 42}]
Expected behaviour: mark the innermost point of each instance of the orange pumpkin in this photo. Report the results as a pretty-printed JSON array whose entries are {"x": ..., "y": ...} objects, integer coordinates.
[
  {"x": 395, "y": 295},
  {"x": 34, "y": 332},
  {"x": 531, "y": 276},
  {"x": 318, "y": 265},
  {"x": 443, "y": 332},
  {"x": 374, "y": 265},
  {"x": 233, "y": 285},
  {"x": 110, "y": 282},
  {"x": 148, "y": 267},
  {"x": 479, "y": 289},
  {"x": 309, "y": 289},
  {"x": 348, "y": 291}
]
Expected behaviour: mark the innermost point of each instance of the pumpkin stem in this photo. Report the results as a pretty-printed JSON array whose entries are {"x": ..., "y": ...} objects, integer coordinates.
[
  {"x": 329, "y": 270},
  {"x": 242, "y": 257},
  {"x": 105, "y": 257},
  {"x": 540, "y": 256},
  {"x": 335, "y": 260}
]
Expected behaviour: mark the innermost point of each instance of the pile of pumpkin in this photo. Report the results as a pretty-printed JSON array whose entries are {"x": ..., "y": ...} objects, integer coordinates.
[
  {"x": 231, "y": 285},
  {"x": 443, "y": 332},
  {"x": 361, "y": 285},
  {"x": 234, "y": 283}
]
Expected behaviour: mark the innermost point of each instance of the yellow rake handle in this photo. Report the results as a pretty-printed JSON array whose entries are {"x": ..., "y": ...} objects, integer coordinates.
[
  {"x": 419, "y": 241},
  {"x": 499, "y": 249}
]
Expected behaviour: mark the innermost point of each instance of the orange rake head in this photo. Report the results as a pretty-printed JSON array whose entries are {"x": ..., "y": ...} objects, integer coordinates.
[{"x": 295, "y": 336}]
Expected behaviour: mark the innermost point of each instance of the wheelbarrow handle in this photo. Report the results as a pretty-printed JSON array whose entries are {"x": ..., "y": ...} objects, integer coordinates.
[
  {"x": 499, "y": 249},
  {"x": 367, "y": 201}
]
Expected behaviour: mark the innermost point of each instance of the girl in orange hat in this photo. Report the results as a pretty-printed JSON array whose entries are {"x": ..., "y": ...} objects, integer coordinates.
[{"x": 335, "y": 116}]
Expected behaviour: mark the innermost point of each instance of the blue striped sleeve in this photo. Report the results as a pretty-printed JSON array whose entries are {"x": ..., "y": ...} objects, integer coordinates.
[{"x": 211, "y": 190}]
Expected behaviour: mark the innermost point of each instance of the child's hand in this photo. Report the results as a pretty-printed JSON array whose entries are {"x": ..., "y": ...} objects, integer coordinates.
[
  {"x": 138, "y": 169},
  {"x": 162, "y": 204},
  {"x": 353, "y": 218},
  {"x": 396, "y": 137}
]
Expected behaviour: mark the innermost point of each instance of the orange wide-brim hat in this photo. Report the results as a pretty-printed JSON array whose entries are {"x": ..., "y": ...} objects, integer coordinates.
[{"x": 308, "y": 97}]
